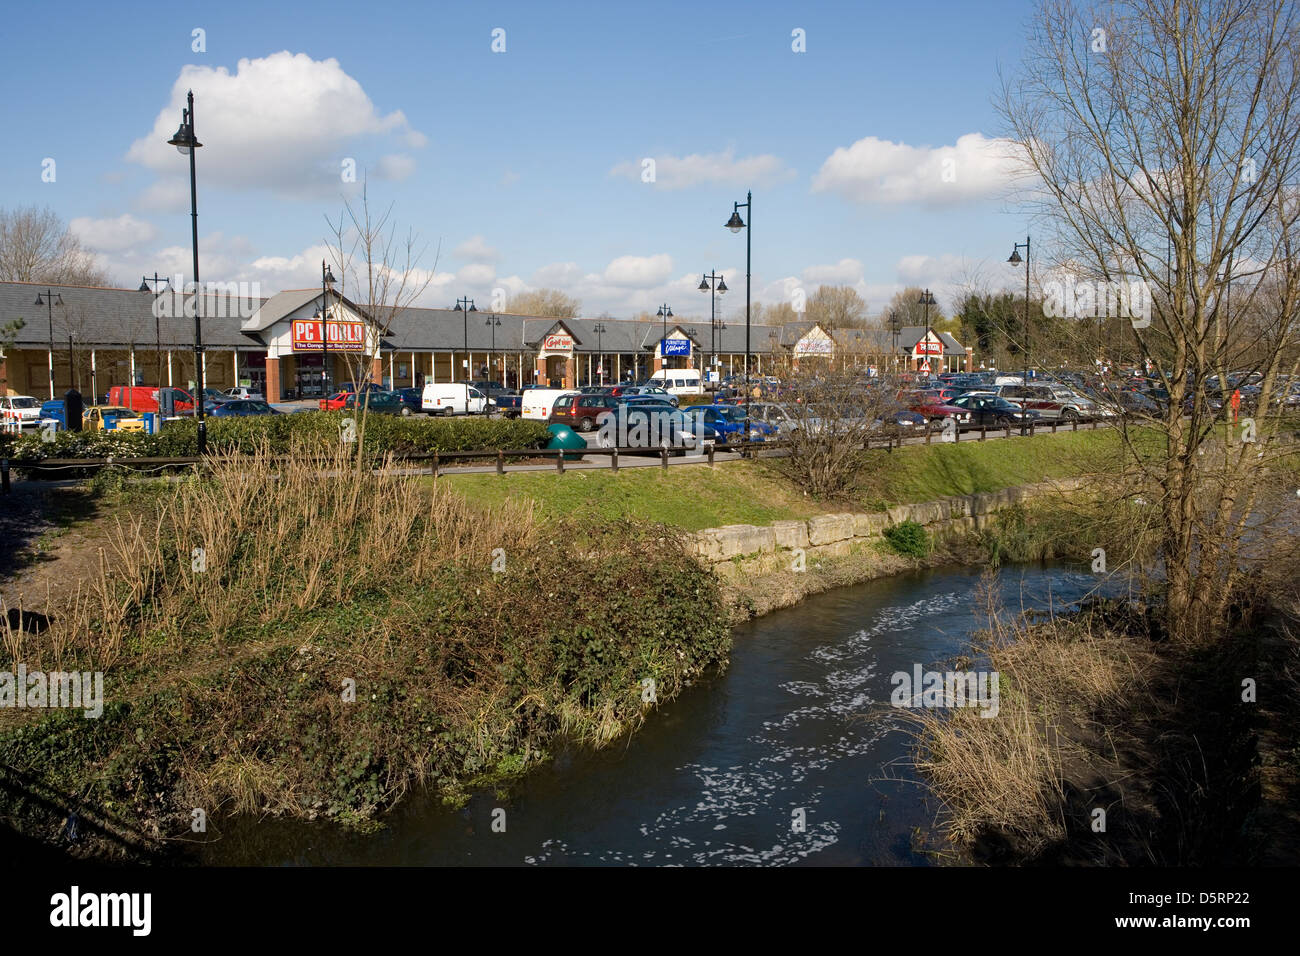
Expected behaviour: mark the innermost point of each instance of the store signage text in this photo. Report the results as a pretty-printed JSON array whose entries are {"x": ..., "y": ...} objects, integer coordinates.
[{"x": 308, "y": 336}]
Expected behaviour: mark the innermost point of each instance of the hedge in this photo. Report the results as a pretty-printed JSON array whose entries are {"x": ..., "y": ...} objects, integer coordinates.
[{"x": 382, "y": 433}]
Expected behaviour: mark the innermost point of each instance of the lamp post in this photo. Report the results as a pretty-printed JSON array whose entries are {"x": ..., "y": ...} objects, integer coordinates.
[
  {"x": 187, "y": 144},
  {"x": 327, "y": 281},
  {"x": 493, "y": 323},
  {"x": 715, "y": 285},
  {"x": 895, "y": 326},
  {"x": 465, "y": 307},
  {"x": 74, "y": 377},
  {"x": 1014, "y": 259},
  {"x": 156, "y": 289},
  {"x": 599, "y": 329},
  {"x": 49, "y": 301},
  {"x": 927, "y": 300},
  {"x": 664, "y": 313},
  {"x": 735, "y": 224}
]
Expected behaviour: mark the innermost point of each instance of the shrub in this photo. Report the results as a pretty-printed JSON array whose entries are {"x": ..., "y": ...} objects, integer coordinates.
[
  {"x": 909, "y": 539},
  {"x": 382, "y": 434}
]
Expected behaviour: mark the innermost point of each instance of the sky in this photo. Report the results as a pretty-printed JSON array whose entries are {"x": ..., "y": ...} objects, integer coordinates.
[{"x": 595, "y": 148}]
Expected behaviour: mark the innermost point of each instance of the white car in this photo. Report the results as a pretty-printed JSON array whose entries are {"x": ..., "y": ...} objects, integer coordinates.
[
  {"x": 452, "y": 398},
  {"x": 536, "y": 403},
  {"x": 247, "y": 394},
  {"x": 23, "y": 409}
]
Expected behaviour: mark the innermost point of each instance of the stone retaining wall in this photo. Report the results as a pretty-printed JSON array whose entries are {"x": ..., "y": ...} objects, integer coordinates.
[{"x": 834, "y": 535}]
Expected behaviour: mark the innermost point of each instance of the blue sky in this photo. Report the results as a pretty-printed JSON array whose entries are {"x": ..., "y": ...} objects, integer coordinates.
[{"x": 526, "y": 164}]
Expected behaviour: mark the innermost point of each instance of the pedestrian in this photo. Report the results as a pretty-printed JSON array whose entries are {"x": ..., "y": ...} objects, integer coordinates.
[{"x": 1236, "y": 404}]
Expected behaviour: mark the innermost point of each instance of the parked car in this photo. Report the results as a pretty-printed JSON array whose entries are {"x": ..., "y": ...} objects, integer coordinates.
[
  {"x": 652, "y": 390},
  {"x": 1052, "y": 402},
  {"x": 52, "y": 412},
  {"x": 452, "y": 398},
  {"x": 240, "y": 391},
  {"x": 412, "y": 397},
  {"x": 110, "y": 417},
  {"x": 903, "y": 421},
  {"x": 775, "y": 415},
  {"x": 334, "y": 402},
  {"x": 23, "y": 409},
  {"x": 352, "y": 387},
  {"x": 652, "y": 428},
  {"x": 144, "y": 398},
  {"x": 731, "y": 423},
  {"x": 992, "y": 411},
  {"x": 240, "y": 408},
  {"x": 678, "y": 381},
  {"x": 382, "y": 403},
  {"x": 537, "y": 402},
  {"x": 580, "y": 410},
  {"x": 934, "y": 409}
]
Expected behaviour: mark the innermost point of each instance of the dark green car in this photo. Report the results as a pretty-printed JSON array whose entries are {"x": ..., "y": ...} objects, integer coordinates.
[{"x": 381, "y": 403}]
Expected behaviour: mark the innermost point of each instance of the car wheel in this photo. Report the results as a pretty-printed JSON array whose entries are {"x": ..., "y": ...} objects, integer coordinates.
[
  {"x": 1069, "y": 414},
  {"x": 406, "y": 411},
  {"x": 586, "y": 425}
]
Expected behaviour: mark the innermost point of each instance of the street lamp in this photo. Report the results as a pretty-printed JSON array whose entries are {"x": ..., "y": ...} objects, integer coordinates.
[
  {"x": 493, "y": 323},
  {"x": 927, "y": 300},
  {"x": 599, "y": 329},
  {"x": 895, "y": 326},
  {"x": 156, "y": 289},
  {"x": 187, "y": 144},
  {"x": 715, "y": 285},
  {"x": 664, "y": 313},
  {"x": 1014, "y": 259},
  {"x": 327, "y": 281},
  {"x": 50, "y": 301},
  {"x": 465, "y": 307},
  {"x": 735, "y": 224}
]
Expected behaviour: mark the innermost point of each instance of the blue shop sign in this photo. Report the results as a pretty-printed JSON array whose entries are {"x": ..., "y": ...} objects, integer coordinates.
[{"x": 674, "y": 346}]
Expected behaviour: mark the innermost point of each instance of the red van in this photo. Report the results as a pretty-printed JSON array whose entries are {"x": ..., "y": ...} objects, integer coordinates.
[{"x": 144, "y": 398}]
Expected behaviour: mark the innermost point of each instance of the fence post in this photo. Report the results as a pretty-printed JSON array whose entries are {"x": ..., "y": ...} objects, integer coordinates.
[
  {"x": 1076, "y": 424},
  {"x": 984, "y": 432},
  {"x": 435, "y": 464},
  {"x": 613, "y": 459},
  {"x": 559, "y": 461},
  {"x": 501, "y": 462},
  {"x": 710, "y": 454},
  {"x": 663, "y": 454},
  {"x": 1053, "y": 426},
  {"x": 927, "y": 432},
  {"x": 4, "y": 475}
]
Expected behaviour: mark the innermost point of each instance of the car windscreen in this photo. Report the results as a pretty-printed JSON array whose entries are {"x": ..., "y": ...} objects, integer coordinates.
[{"x": 23, "y": 402}]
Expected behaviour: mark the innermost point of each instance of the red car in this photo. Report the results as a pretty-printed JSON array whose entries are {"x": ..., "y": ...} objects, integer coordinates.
[
  {"x": 581, "y": 411},
  {"x": 334, "y": 403},
  {"x": 932, "y": 407}
]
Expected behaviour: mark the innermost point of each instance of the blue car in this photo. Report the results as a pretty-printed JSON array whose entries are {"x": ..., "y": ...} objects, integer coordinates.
[
  {"x": 732, "y": 424},
  {"x": 239, "y": 408},
  {"x": 53, "y": 412},
  {"x": 411, "y": 398}
]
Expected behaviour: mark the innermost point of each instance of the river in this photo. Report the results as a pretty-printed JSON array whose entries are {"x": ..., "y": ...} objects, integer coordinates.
[{"x": 726, "y": 773}]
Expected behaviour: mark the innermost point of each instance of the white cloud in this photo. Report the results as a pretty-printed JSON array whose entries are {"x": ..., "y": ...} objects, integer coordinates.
[
  {"x": 283, "y": 122},
  {"x": 876, "y": 170},
  {"x": 112, "y": 235},
  {"x": 476, "y": 249},
  {"x": 673, "y": 172},
  {"x": 638, "y": 271},
  {"x": 844, "y": 272}
]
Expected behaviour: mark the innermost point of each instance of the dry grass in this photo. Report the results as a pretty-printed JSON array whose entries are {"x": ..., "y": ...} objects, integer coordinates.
[
  {"x": 256, "y": 540},
  {"x": 1014, "y": 777}
]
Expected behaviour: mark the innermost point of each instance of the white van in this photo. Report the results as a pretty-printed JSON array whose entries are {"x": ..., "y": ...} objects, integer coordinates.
[
  {"x": 679, "y": 381},
  {"x": 452, "y": 398},
  {"x": 536, "y": 403}
]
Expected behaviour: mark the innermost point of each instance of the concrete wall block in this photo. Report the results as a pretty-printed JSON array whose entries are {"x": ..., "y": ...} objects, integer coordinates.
[
  {"x": 825, "y": 529},
  {"x": 790, "y": 534}
]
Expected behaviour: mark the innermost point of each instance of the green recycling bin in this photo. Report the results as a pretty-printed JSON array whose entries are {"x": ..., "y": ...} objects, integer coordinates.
[{"x": 562, "y": 436}]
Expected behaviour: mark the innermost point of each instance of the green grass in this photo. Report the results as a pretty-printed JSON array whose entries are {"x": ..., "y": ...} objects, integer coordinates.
[
  {"x": 920, "y": 473},
  {"x": 688, "y": 496},
  {"x": 750, "y": 492}
]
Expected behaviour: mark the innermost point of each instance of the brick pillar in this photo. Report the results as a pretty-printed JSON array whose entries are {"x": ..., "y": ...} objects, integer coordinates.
[
  {"x": 273, "y": 393},
  {"x": 658, "y": 364},
  {"x": 970, "y": 359},
  {"x": 377, "y": 370}
]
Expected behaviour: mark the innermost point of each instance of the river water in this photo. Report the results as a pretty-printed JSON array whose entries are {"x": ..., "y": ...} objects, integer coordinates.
[{"x": 774, "y": 762}]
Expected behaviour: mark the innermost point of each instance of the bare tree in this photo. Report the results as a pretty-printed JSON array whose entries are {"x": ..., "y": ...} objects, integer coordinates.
[
  {"x": 36, "y": 246},
  {"x": 837, "y": 307},
  {"x": 383, "y": 272},
  {"x": 550, "y": 303},
  {"x": 1164, "y": 140}
]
